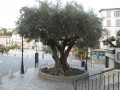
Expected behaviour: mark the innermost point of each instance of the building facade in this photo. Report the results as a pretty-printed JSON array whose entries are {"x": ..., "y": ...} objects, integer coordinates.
[
  {"x": 110, "y": 22},
  {"x": 5, "y": 40},
  {"x": 16, "y": 39}
]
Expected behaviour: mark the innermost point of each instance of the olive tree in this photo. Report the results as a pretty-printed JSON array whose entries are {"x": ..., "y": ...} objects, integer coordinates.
[{"x": 59, "y": 27}]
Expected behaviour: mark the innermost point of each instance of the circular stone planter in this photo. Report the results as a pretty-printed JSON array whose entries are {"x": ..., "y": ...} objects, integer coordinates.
[{"x": 62, "y": 78}]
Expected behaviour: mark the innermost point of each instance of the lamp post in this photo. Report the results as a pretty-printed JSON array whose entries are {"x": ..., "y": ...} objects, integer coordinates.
[
  {"x": 22, "y": 65},
  {"x": 43, "y": 52},
  {"x": 86, "y": 64},
  {"x": 91, "y": 58},
  {"x": 36, "y": 56}
]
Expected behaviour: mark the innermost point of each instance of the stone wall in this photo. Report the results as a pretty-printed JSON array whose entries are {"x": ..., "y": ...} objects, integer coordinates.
[{"x": 62, "y": 78}]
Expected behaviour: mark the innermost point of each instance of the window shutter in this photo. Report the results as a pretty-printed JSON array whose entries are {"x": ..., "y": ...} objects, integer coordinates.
[
  {"x": 114, "y": 13},
  {"x": 109, "y": 14}
]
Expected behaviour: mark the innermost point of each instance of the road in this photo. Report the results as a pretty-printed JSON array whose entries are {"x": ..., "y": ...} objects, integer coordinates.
[{"x": 12, "y": 61}]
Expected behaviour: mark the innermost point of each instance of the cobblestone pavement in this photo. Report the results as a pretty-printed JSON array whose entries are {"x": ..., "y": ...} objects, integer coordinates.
[
  {"x": 1, "y": 61},
  {"x": 12, "y": 61},
  {"x": 30, "y": 81}
]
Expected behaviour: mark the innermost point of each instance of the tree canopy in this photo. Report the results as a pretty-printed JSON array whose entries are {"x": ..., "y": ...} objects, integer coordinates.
[
  {"x": 60, "y": 27},
  {"x": 68, "y": 23}
]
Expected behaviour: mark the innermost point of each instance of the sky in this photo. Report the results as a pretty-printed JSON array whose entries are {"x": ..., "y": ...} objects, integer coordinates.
[{"x": 9, "y": 9}]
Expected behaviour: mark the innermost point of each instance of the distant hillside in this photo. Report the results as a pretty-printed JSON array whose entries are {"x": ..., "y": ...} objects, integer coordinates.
[{"x": 6, "y": 32}]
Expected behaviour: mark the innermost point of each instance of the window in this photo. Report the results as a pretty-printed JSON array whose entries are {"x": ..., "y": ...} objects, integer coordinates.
[
  {"x": 117, "y": 13},
  {"x": 118, "y": 22},
  {"x": 108, "y": 13},
  {"x": 108, "y": 33},
  {"x": 108, "y": 22},
  {"x": 118, "y": 55}
]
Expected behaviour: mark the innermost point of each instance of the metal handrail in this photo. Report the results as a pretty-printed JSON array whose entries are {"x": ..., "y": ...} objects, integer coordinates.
[
  {"x": 75, "y": 87},
  {"x": 97, "y": 73}
]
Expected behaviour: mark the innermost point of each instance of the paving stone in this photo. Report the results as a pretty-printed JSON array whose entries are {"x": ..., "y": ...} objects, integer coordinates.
[{"x": 31, "y": 81}]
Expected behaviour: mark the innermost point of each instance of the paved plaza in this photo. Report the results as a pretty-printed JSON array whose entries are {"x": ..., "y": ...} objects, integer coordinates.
[
  {"x": 1, "y": 61},
  {"x": 30, "y": 80}
]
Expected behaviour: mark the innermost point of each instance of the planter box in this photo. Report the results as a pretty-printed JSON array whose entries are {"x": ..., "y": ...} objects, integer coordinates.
[{"x": 63, "y": 78}]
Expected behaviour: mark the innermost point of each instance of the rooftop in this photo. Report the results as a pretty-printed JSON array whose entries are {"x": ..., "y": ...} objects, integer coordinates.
[
  {"x": 107, "y": 9},
  {"x": 5, "y": 36}
]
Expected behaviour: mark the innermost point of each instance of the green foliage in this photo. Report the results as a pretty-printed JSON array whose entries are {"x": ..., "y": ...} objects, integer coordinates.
[
  {"x": 110, "y": 40},
  {"x": 73, "y": 72},
  {"x": 60, "y": 26},
  {"x": 3, "y": 50},
  {"x": 48, "y": 50},
  {"x": 12, "y": 47},
  {"x": 118, "y": 42},
  {"x": 118, "y": 33},
  {"x": 5, "y": 33},
  {"x": 79, "y": 51}
]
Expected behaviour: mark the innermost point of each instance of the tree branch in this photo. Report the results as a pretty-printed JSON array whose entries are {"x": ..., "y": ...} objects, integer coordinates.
[
  {"x": 69, "y": 48},
  {"x": 58, "y": 45},
  {"x": 72, "y": 42},
  {"x": 112, "y": 44},
  {"x": 53, "y": 47}
]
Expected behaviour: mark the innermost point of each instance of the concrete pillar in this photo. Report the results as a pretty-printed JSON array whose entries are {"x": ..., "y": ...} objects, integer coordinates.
[{"x": 10, "y": 73}]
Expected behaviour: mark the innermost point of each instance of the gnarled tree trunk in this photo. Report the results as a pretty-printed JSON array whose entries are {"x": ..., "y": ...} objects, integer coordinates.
[{"x": 61, "y": 66}]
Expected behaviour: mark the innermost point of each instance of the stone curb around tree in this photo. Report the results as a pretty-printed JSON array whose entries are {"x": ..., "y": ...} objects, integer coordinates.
[{"x": 62, "y": 78}]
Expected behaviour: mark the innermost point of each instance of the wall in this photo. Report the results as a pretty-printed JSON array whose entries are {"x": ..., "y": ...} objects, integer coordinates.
[
  {"x": 111, "y": 63},
  {"x": 111, "y": 57},
  {"x": 117, "y": 58},
  {"x": 113, "y": 29}
]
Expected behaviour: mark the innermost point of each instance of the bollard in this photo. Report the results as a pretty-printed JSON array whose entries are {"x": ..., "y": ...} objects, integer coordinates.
[
  {"x": 42, "y": 55},
  {"x": 0, "y": 78},
  {"x": 36, "y": 65},
  {"x": 10, "y": 73},
  {"x": 25, "y": 69},
  {"x": 27, "y": 56},
  {"x": 36, "y": 59}
]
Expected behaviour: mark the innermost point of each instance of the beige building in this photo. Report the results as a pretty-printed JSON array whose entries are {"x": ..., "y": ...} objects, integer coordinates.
[
  {"x": 110, "y": 22},
  {"x": 16, "y": 39},
  {"x": 5, "y": 40}
]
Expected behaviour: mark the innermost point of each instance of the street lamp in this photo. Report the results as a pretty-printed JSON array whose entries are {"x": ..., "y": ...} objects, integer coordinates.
[
  {"x": 43, "y": 51},
  {"x": 86, "y": 64},
  {"x": 91, "y": 58},
  {"x": 22, "y": 65},
  {"x": 36, "y": 55}
]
